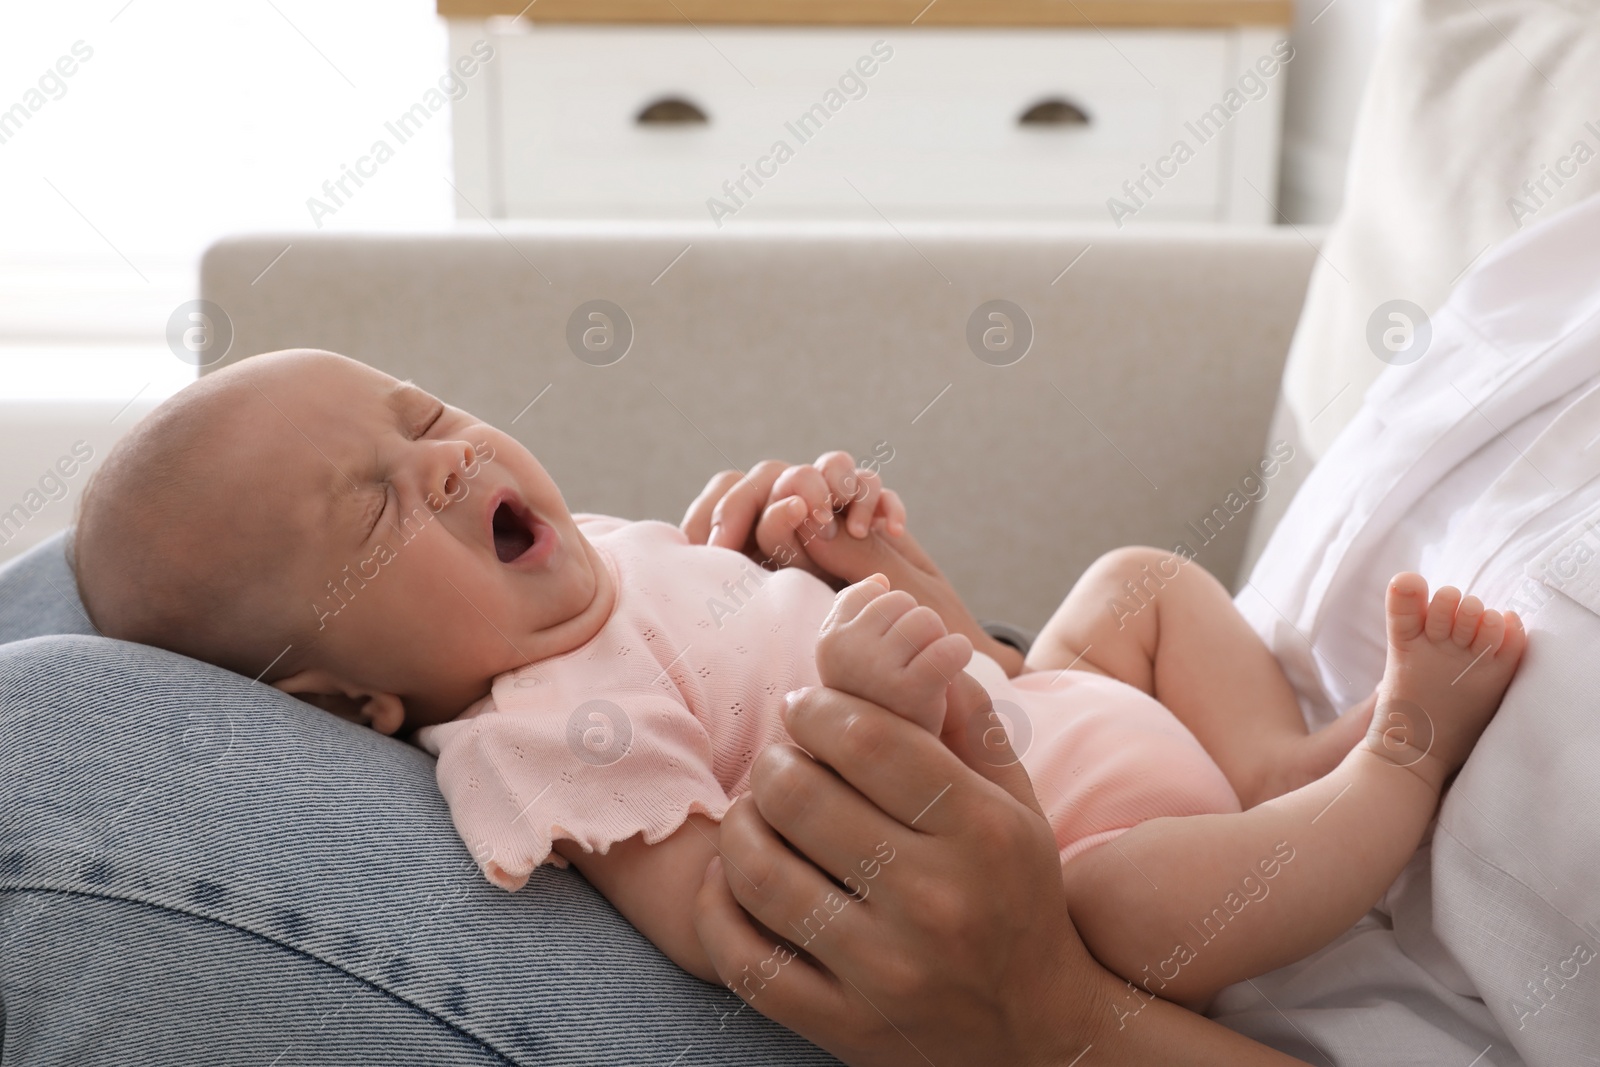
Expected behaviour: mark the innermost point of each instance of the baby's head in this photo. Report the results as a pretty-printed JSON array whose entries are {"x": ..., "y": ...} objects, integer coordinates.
[{"x": 303, "y": 518}]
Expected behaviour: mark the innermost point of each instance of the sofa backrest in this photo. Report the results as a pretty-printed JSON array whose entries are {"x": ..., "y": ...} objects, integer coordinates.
[{"x": 1122, "y": 395}]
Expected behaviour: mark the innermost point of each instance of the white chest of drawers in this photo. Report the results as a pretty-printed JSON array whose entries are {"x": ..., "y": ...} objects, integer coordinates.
[{"x": 731, "y": 123}]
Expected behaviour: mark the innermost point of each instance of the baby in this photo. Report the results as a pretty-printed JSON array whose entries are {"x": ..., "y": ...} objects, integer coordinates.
[{"x": 596, "y": 690}]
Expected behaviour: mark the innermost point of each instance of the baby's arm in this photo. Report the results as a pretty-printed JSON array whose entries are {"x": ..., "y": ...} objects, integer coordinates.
[{"x": 654, "y": 886}]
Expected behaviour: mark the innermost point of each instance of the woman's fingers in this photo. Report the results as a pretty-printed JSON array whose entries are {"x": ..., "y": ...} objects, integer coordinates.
[
  {"x": 925, "y": 782},
  {"x": 979, "y": 737},
  {"x": 784, "y": 892},
  {"x": 764, "y": 972},
  {"x": 840, "y": 830},
  {"x": 696, "y": 524},
  {"x": 733, "y": 518},
  {"x": 898, "y": 767}
]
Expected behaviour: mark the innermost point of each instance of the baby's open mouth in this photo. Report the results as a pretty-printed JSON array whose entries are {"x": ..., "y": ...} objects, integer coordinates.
[{"x": 514, "y": 531}]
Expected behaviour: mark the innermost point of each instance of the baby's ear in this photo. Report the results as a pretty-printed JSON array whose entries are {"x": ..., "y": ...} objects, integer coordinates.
[{"x": 384, "y": 712}]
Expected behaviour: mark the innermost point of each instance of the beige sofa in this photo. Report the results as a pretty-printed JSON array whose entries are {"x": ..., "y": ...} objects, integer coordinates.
[{"x": 1137, "y": 413}]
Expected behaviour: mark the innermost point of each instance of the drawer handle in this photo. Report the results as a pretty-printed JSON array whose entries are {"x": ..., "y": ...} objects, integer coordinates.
[
  {"x": 1054, "y": 111},
  {"x": 672, "y": 111}
]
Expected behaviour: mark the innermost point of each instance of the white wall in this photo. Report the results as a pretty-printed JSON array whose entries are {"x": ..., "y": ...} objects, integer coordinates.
[
  {"x": 181, "y": 120},
  {"x": 41, "y": 440},
  {"x": 183, "y": 126},
  {"x": 1333, "y": 43}
]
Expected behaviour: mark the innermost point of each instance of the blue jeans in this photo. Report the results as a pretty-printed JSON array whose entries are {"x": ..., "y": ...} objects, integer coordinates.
[{"x": 197, "y": 868}]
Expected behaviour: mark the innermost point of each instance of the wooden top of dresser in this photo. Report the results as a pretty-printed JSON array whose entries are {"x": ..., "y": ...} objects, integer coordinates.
[{"x": 945, "y": 13}]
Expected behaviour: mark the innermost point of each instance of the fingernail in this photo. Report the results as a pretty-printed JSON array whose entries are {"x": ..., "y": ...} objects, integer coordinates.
[
  {"x": 830, "y": 531},
  {"x": 711, "y": 538},
  {"x": 792, "y": 696},
  {"x": 713, "y": 870},
  {"x": 796, "y": 502}
]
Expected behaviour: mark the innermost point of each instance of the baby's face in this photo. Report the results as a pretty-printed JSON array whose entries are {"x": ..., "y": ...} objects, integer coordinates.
[{"x": 436, "y": 552}]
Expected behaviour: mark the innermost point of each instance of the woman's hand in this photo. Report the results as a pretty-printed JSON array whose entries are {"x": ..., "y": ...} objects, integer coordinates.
[
  {"x": 955, "y": 948},
  {"x": 771, "y": 512},
  {"x": 954, "y": 945}
]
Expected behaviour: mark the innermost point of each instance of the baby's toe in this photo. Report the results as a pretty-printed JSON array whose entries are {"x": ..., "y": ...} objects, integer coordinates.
[
  {"x": 1467, "y": 617},
  {"x": 1515, "y": 641},
  {"x": 1491, "y": 630},
  {"x": 1406, "y": 606},
  {"x": 1442, "y": 613}
]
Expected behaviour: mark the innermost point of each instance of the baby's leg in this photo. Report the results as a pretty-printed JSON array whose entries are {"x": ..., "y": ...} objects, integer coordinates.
[
  {"x": 1184, "y": 907},
  {"x": 1162, "y": 624},
  {"x": 884, "y": 647}
]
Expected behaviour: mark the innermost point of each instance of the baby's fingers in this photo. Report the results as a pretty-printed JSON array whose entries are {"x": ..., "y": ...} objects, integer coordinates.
[
  {"x": 809, "y": 484},
  {"x": 853, "y": 600},
  {"x": 891, "y": 514},
  {"x": 946, "y": 657},
  {"x": 868, "y": 493},
  {"x": 777, "y": 537},
  {"x": 838, "y": 469}
]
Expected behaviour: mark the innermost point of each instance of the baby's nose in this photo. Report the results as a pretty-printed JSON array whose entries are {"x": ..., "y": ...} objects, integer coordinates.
[{"x": 457, "y": 461}]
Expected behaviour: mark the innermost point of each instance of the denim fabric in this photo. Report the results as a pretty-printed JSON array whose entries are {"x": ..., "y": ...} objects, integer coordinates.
[
  {"x": 39, "y": 596},
  {"x": 197, "y": 869}
]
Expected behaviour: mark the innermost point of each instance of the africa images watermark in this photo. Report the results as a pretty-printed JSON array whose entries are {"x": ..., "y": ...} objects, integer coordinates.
[
  {"x": 1251, "y": 890},
  {"x": 344, "y": 586},
  {"x": 1552, "y": 984},
  {"x": 52, "y": 85},
  {"x": 1536, "y": 191},
  {"x": 811, "y": 926},
  {"x": 1252, "y": 85},
  {"x": 51, "y": 487},
  {"x": 452, "y": 85},
  {"x": 852, "y": 85},
  {"x": 1566, "y": 564}
]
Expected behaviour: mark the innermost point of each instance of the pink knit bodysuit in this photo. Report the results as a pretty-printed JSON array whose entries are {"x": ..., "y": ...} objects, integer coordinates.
[{"x": 662, "y": 712}]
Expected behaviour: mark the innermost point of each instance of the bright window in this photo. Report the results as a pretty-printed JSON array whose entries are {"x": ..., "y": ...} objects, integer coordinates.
[{"x": 132, "y": 134}]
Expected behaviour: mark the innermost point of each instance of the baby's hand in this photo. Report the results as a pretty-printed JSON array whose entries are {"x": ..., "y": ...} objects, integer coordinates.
[
  {"x": 771, "y": 512},
  {"x": 884, "y": 647}
]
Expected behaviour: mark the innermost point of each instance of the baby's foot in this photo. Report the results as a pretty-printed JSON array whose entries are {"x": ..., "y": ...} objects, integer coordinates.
[
  {"x": 884, "y": 647},
  {"x": 1450, "y": 662}
]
